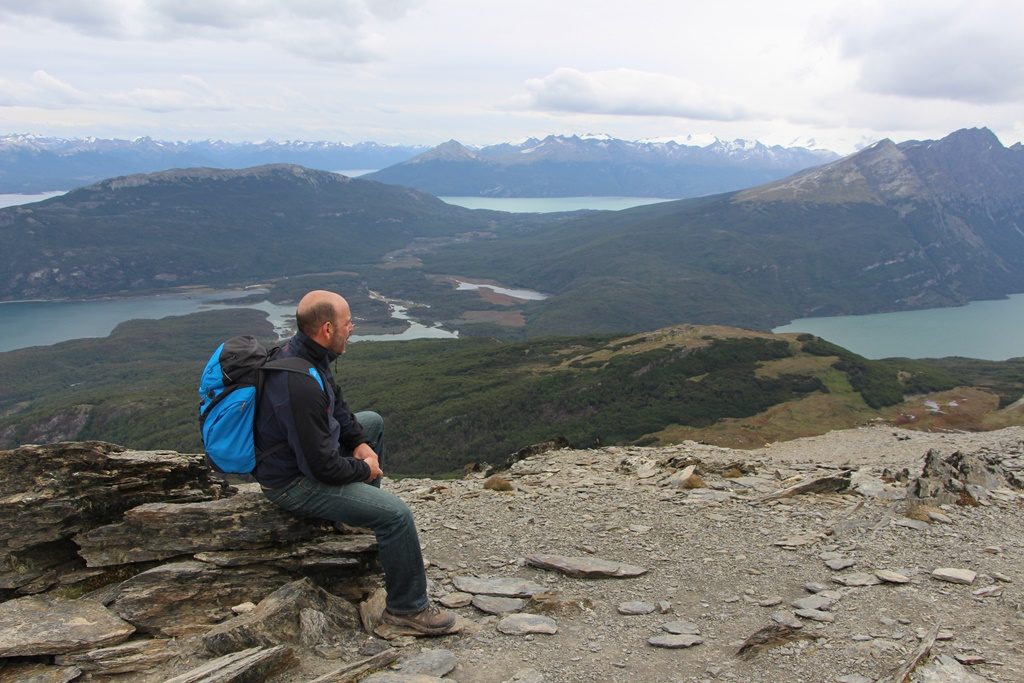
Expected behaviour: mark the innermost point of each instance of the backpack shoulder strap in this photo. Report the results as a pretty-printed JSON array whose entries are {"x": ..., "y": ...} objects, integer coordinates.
[{"x": 293, "y": 364}]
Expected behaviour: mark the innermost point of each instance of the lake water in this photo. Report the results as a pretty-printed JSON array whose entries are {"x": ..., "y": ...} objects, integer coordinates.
[
  {"x": 990, "y": 330},
  {"x": 41, "y": 323},
  {"x": 18, "y": 199},
  {"x": 524, "y": 294},
  {"x": 510, "y": 204},
  {"x": 551, "y": 204},
  {"x": 32, "y": 323}
]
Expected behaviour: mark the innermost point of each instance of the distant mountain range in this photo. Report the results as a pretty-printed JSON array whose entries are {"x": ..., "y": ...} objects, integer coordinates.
[
  {"x": 892, "y": 227},
  {"x": 896, "y": 226},
  {"x": 598, "y": 165},
  {"x": 31, "y": 163}
]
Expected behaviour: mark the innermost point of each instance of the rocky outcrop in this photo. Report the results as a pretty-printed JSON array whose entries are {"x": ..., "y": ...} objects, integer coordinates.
[
  {"x": 49, "y": 494},
  {"x": 297, "y": 613},
  {"x": 157, "y": 531},
  {"x": 965, "y": 478},
  {"x": 171, "y": 550},
  {"x": 49, "y": 626},
  {"x": 187, "y": 597}
]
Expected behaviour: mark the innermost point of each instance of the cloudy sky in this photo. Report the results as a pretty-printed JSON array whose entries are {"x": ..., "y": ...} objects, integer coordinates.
[{"x": 842, "y": 73}]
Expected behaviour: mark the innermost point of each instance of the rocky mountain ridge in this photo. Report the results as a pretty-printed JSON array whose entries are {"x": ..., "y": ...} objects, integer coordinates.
[
  {"x": 849, "y": 557},
  {"x": 893, "y": 227},
  {"x": 559, "y": 165},
  {"x": 969, "y": 164},
  {"x": 204, "y": 226}
]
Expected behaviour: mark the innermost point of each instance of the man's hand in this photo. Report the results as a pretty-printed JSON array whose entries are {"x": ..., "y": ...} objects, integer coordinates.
[
  {"x": 375, "y": 471},
  {"x": 369, "y": 456}
]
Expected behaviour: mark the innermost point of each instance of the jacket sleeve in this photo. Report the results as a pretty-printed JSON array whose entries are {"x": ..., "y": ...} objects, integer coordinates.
[
  {"x": 312, "y": 440},
  {"x": 351, "y": 431}
]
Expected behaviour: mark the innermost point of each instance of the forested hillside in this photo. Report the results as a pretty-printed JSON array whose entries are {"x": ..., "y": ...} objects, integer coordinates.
[{"x": 450, "y": 402}]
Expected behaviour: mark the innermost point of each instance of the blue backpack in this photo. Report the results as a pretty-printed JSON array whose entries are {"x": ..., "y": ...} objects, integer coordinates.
[{"x": 229, "y": 391}]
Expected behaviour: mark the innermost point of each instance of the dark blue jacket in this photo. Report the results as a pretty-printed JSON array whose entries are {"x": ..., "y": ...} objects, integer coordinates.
[{"x": 304, "y": 428}]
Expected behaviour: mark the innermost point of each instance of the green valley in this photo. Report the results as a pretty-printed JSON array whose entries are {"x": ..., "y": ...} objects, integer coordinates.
[{"x": 452, "y": 402}]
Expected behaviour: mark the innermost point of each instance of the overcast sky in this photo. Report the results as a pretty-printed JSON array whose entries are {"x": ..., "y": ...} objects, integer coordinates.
[{"x": 842, "y": 73}]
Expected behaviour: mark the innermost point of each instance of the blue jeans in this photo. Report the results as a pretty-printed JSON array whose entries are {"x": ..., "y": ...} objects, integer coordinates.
[
  {"x": 373, "y": 429},
  {"x": 364, "y": 505}
]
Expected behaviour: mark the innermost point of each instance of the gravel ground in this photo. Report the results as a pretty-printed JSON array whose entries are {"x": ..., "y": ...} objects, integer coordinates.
[
  {"x": 725, "y": 558},
  {"x": 716, "y": 563}
]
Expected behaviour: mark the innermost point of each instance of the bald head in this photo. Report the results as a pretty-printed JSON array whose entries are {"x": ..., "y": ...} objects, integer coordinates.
[{"x": 318, "y": 307}]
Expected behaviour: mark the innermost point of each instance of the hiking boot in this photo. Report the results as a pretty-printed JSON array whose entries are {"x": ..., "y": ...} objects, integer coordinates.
[{"x": 433, "y": 621}]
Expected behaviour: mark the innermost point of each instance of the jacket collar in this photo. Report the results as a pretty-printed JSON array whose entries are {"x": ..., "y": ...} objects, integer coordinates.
[{"x": 312, "y": 350}]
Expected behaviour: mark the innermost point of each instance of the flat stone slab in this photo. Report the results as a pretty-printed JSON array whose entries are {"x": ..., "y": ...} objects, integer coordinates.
[
  {"x": 955, "y": 575},
  {"x": 940, "y": 517},
  {"x": 854, "y": 678},
  {"x": 505, "y": 587},
  {"x": 840, "y": 563},
  {"x": 786, "y": 618},
  {"x": 831, "y": 483},
  {"x": 246, "y": 666},
  {"x": 38, "y": 625},
  {"x": 435, "y": 663},
  {"x": 891, "y": 576},
  {"x": 585, "y": 567},
  {"x": 813, "y": 602},
  {"x": 674, "y": 641},
  {"x": 428, "y": 662},
  {"x": 709, "y": 496},
  {"x": 797, "y": 540},
  {"x": 32, "y": 672},
  {"x": 816, "y": 615},
  {"x": 456, "y": 600},
  {"x": 992, "y": 591},
  {"x": 492, "y": 604},
  {"x": 139, "y": 655},
  {"x": 635, "y": 607},
  {"x": 915, "y": 524},
  {"x": 681, "y": 627},
  {"x": 858, "y": 580},
  {"x": 522, "y": 624}
]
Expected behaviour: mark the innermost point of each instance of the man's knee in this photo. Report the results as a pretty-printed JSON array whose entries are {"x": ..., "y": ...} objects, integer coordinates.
[
  {"x": 372, "y": 424},
  {"x": 399, "y": 515}
]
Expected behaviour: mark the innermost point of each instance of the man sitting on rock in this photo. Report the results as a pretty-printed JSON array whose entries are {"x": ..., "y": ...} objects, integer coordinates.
[{"x": 318, "y": 459}]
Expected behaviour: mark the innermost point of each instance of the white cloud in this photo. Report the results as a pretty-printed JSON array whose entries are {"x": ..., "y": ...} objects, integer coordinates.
[
  {"x": 840, "y": 71},
  {"x": 192, "y": 93},
  {"x": 627, "y": 92},
  {"x": 58, "y": 89},
  {"x": 940, "y": 49},
  {"x": 325, "y": 30},
  {"x": 44, "y": 91},
  {"x": 100, "y": 17}
]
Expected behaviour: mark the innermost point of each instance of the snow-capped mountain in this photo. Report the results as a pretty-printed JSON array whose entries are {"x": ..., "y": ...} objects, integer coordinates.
[
  {"x": 32, "y": 163},
  {"x": 592, "y": 164}
]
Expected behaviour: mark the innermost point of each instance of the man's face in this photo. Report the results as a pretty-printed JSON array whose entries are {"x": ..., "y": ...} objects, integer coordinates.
[{"x": 340, "y": 330}]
